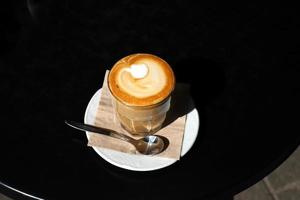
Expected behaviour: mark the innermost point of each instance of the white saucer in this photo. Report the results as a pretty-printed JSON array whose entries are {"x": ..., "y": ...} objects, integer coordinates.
[{"x": 142, "y": 162}]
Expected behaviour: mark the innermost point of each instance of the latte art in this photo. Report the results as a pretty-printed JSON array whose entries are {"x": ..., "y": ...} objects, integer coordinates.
[
  {"x": 141, "y": 79},
  {"x": 140, "y": 86}
]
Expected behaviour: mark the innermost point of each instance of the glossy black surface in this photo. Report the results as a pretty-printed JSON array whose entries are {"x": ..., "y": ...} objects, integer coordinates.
[{"x": 242, "y": 62}]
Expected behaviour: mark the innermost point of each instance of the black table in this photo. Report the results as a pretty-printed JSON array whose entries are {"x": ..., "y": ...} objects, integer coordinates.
[{"x": 242, "y": 63}]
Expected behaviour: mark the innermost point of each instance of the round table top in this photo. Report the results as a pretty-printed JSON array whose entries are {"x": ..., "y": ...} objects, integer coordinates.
[{"x": 241, "y": 63}]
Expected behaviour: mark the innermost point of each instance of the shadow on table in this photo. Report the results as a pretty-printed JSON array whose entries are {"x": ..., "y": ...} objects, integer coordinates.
[
  {"x": 199, "y": 82},
  {"x": 181, "y": 103},
  {"x": 206, "y": 78},
  {"x": 207, "y": 82}
]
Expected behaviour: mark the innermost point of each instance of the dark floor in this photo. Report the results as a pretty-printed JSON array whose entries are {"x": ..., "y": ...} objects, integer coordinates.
[
  {"x": 282, "y": 184},
  {"x": 2, "y": 197}
]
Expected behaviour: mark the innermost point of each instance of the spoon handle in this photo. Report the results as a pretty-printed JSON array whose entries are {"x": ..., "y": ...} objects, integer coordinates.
[{"x": 95, "y": 129}]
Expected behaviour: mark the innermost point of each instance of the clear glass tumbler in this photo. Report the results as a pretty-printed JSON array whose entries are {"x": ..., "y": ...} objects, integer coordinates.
[{"x": 141, "y": 120}]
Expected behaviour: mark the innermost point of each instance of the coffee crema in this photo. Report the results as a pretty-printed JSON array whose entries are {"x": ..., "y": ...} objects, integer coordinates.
[{"x": 141, "y": 80}]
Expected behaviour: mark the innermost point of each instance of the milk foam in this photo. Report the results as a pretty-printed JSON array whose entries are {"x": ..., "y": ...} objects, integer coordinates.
[{"x": 138, "y": 70}]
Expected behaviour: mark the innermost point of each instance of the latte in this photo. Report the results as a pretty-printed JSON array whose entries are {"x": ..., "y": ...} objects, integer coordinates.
[{"x": 141, "y": 85}]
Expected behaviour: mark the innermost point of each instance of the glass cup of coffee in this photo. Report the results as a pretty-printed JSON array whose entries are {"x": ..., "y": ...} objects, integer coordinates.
[{"x": 141, "y": 86}]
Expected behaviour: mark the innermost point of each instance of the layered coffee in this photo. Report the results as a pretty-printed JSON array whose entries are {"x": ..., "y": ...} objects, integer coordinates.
[{"x": 141, "y": 85}]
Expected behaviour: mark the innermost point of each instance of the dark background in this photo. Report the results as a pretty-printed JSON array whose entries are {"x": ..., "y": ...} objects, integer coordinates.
[{"x": 242, "y": 62}]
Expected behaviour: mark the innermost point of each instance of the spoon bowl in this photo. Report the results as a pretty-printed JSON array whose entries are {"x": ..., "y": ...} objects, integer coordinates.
[{"x": 150, "y": 145}]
